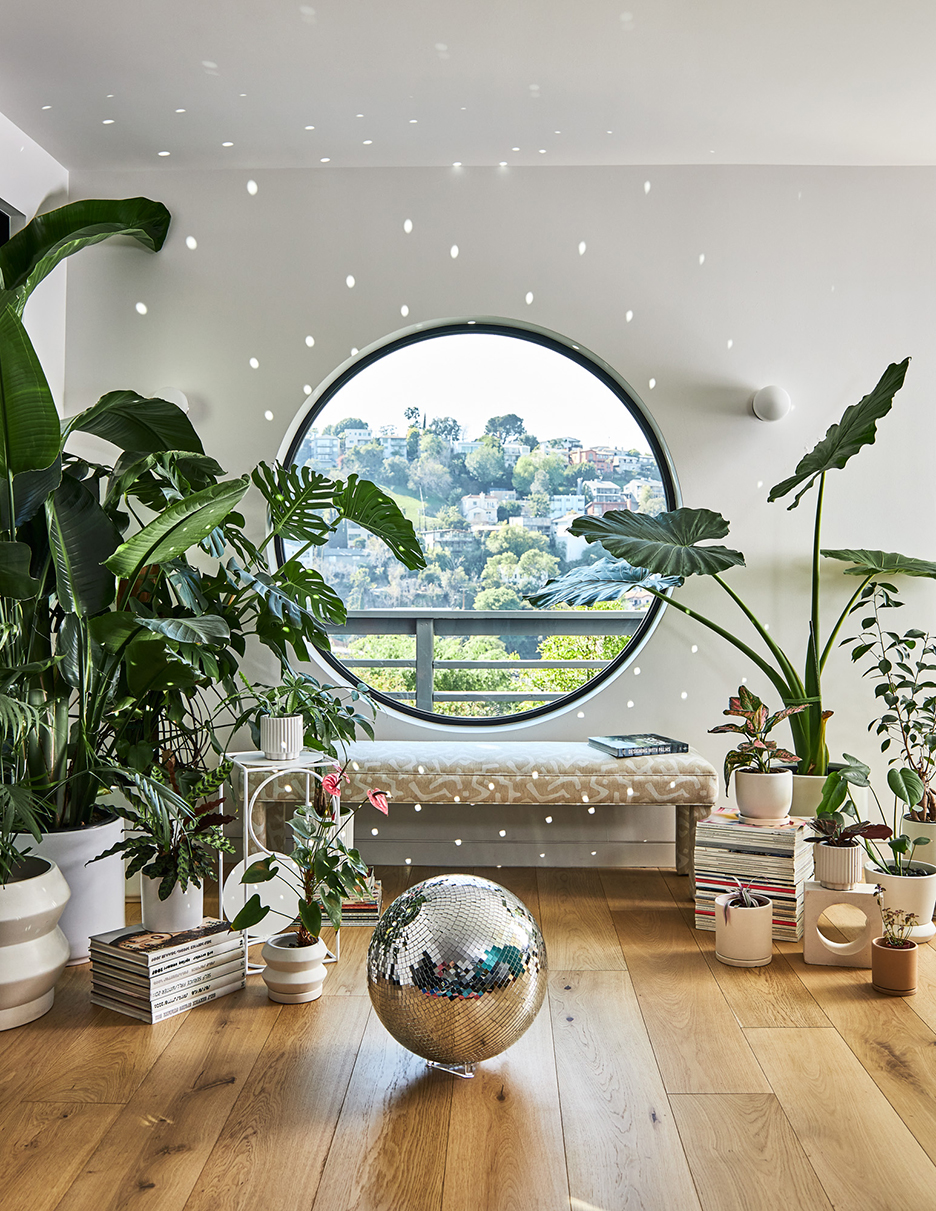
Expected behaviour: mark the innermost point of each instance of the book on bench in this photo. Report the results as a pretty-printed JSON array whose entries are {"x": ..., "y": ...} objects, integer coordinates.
[{"x": 640, "y": 744}]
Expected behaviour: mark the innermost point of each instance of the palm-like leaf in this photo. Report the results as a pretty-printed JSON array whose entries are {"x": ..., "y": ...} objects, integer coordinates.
[
  {"x": 30, "y": 431},
  {"x": 882, "y": 563},
  {"x": 854, "y": 430},
  {"x": 605, "y": 580},
  {"x": 15, "y": 579},
  {"x": 207, "y": 628},
  {"x": 666, "y": 544},
  {"x": 82, "y": 537},
  {"x": 145, "y": 426}
]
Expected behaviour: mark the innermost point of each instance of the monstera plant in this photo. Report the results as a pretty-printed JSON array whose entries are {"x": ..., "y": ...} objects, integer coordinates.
[
  {"x": 128, "y": 590},
  {"x": 685, "y": 542}
]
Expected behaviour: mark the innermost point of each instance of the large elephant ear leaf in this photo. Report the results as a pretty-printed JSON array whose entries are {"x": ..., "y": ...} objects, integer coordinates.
[
  {"x": 145, "y": 426},
  {"x": 30, "y": 430},
  {"x": 361, "y": 501},
  {"x": 605, "y": 580},
  {"x": 665, "y": 544},
  {"x": 34, "y": 252},
  {"x": 854, "y": 430},
  {"x": 882, "y": 563}
]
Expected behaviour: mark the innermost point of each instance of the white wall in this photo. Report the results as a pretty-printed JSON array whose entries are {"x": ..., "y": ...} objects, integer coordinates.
[
  {"x": 30, "y": 180},
  {"x": 816, "y": 279}
]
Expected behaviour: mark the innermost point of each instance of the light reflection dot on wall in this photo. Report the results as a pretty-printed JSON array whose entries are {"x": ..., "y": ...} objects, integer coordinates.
[
  {"x": 694, "y": 648},
  {"x": 529, "y": 297},
  {"x": 354, "y": 351},
  {"x": 349, "y": 281},
  {"x": 760, "y": 483},
  {"x": 166, "y": 153},
  {"x": 404, "y": 311},
  {"x": 307, "y": 388},
  {"x": 628, "y": 316},
  {"x": 652, "y": 383},
  {"x": 191, "y": 242},
  {"x": 407, "y": 225},
  {"x": 636, "y": 670},
  {"x": 549, "y": 819},
  {"x": 630, "y": 790},
  {"x": 730, "y": 343},
  {"x": 325, "y": 160},
  {"x": 536, "y": 773},
  {"x": 254, "y": 364},
  {"x": 580, "y": 715},
  {"x": 630, "y": 702},
  {"x": 408, "y": 861},
  {"x": 684, "y": 695},
  {"x": 584, "y": 798},
  {"x": 421, "y": 769},
  {"x": 582, "y": 247},
  {"x": 701, "y": 258},
  {"x": 107, "y": 122},
  {"x": 227, "y": 144},
  {"x": 591, "y": 811},
  {"x": 310, "y": 128},
  {"x": 141, "y": 308},
  {"x": 593, "y": 852},
  {"x": 646, "y": 186},
  {"x": 310, "y": 341},
  {"x": 268, "y": 415},
  {"x": 490, "y": 786},
  {"x": 252, "y": 187},
  {"x": 542, "y": 855},
  {"x": 453, "y": 251},
  {"x": 503, "y": 832},
  {"x": 374, "y": 832},
  {"x": 417, "y": 807},
  {"x": 458, "y": 798},
  {"x": 368, "y": 142},
  {"x": 180, "y": 111},
  {"x": 458, "y": 841}
]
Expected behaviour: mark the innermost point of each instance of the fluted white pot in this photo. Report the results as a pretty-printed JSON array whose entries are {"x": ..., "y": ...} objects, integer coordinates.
[
  {"x": 910, "y": 893},
  {"x": 764, "y": 796},
  {"x": 839, "y": 867},
  {"x": 97, "y": 891},
  {"x": 33, "y": 950},
  {"x": 180, "y": 910},
  {"x": 743, "y": 936},
  {"x": 281, "y": 738},
  {"x": 293, "y": 974}
]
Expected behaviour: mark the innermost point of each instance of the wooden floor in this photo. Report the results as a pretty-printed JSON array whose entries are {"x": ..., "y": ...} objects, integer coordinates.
[{"x": 653, "y": 1078}]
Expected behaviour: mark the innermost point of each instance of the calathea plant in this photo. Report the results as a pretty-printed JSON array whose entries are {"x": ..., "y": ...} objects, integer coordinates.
[
  {"x": 659, "y": 553},
  {"x": 755, "y": 752}
]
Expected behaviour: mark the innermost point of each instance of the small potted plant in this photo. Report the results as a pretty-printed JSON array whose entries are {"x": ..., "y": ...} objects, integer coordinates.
[
  {"x": 176, "y": 834},
  {"x": 894, "y": 956},
  {"x": 743, "y": 927},
  {"x": 764, "y": 794},
  {"x": 839, "y": 855},
  {"x": 320, "y": 873}
]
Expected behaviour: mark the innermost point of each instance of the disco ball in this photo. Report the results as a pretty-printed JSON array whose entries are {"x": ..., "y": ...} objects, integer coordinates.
[{"x": 456, "y": 969}]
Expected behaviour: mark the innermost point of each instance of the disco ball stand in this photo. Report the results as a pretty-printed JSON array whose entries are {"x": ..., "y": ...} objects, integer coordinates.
[{"x": 456, "y": 970}]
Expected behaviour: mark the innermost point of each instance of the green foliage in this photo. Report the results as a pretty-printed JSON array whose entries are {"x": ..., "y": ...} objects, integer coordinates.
[
  {"x": 503, "y": 427},
  {"x": 755, "y": 752},
  {"x": 907, "y": 788},
  {"x": 486, "y": 466},
  {"x": 515, "y": 539},
  {"x": 331, "y": 717}
]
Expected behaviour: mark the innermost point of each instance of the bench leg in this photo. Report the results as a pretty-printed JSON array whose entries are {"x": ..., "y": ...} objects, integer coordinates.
[{"x": 687, "y": 816}]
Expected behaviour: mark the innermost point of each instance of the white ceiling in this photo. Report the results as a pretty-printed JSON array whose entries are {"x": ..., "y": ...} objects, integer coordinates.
[{"x": 435, "y": 82}]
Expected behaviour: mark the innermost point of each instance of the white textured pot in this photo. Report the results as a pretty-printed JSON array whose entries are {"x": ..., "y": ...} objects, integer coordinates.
[
  {"x": 97, "y": 891},
  {"x": 910, "y": 893},
  {"x": 839, "y": 867},
  {"x": 807, "y": 794},
  {"x": 33, "y": 950},
  {"x": 293, "y": 974},
  {"x": 180, "y": 910},
  {"x": 743, "y": 936},
  {"x": 924, "y": 828},
  {"x": 764, "y": 796},
  {"x": 281, "y": 738}
]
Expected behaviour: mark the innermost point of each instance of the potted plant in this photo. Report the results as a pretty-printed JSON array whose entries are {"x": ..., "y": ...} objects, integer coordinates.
[
  {"x": 175, "y": 840},
  {"x": 838, "y": 857},
  {"x": 659, "y": 553},
  {"x": 908, "y": 882},
  {"x": 764, "y": 794},
  {"x": 743, "y": 927},
  {"x": 894, "y": 956},
  {"x": 321, "y": 872}
]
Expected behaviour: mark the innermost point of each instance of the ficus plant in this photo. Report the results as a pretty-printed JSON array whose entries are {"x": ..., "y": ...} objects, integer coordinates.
[
  {"x": 660, "y": 553},
  {"x": 755, "y": 752}
]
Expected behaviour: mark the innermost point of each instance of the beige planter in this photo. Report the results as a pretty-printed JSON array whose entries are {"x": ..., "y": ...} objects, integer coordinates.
[
  {"x": 293, "y": 974},
  {"x": 894, "y": 969},
  {"x": 839, "y": 867},
  {"x": 33, "y": 950},
  {"x": 743, "y": 936},
  {"x": 924, "y": 828},
  {"x": 764, "y": 797},
  {"x": 180, "y": 910},
  {"x": 910, "y": 893}
]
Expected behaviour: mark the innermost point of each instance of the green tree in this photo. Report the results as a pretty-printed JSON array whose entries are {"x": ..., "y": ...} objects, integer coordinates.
[
  {"x": 485, "y": 465},
  {"x": 349, "y": 422},
  {"x": 650, "y": 500},
  {"x": 430, "y": 475},
  {"x": 499, "y": 597},
  {"x": 503, "y": 427},
  {"x": 516, "y": 539},
  {"x": 573, "y": 647},
  {"x": 509, "y": 508},
  {"x": 411, "y": 414},
  {"x": 413, "y": 434},
  {"x": 367, "y": 460},
  {"x": 446, "y": 427},
  {"x": 396, "y": 471},
  {"x": 451, "y": 518}
]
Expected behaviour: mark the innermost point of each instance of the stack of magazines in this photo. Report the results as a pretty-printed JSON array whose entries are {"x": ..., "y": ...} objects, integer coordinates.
[
  {"x": 152, "y": 976},
  {"x": 773, "y": 861},
  {"x": 364, "y": 908}
]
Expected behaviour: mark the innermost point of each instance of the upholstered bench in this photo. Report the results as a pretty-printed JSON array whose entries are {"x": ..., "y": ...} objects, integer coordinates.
[{"x": 550, "y": 773}]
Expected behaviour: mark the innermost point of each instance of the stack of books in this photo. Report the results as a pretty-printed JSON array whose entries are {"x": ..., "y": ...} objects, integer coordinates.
[
  {"x": 775, "y": 862},
  {"x": 152, "y": 976},
  {"x": 363, "y": 909}
]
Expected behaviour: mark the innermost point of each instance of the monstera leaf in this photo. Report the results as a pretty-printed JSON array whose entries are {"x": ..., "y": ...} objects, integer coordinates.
[
  {"x": 606, "y": 580},
  {"x": 854, "y": 430},
  {"x": 145, "y": 426},
  {"x": 666, "y": 544},
  {"x": 882, "y": 563}
]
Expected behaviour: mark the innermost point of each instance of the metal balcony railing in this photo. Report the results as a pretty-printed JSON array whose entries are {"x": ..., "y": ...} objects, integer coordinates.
[{"x": 425, "y": 624}]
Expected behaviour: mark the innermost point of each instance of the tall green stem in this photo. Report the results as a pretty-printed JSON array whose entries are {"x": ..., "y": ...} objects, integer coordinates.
[{"x": 814, "y": 611}]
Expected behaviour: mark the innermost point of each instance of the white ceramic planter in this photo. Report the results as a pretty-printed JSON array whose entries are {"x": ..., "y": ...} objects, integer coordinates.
[
  {"x": 33, "y": 950},
  {"x": 925, "y": 828},
  {"x": 839, "y": 867},
  {"x": 293, "y": 974},
  {"x": 743, "y": 936},
  {"x": 911, "y": 893},
  {"x": 97, "y": 891},
  {"x": 281, "y": 739},
  {"x": 764, "y": 797},
  {"x": 807, "y": 795},
  {"x": 180, "y": 910}
]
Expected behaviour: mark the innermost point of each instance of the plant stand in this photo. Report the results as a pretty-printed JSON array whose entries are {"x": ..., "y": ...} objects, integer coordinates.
[{"x": 820, "y": 950}]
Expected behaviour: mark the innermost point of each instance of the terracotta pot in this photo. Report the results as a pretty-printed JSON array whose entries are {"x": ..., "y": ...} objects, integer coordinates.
[
  {"x": 180, "y": 910},
  {"x": 840, "y": 867},
  {"x": 293, "y": 974},
  {"x": 764, "y": 796},
  {"x": 743, "y": 936},
  {"x": 893, "y": 968},
  {"x": 33, "y": 950},
  {"x": 910, "y": 893},
  {"x": 281, "y": 738}
]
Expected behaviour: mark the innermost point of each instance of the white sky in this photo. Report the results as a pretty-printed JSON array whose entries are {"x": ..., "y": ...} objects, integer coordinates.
[{"x": 478, "y": 375}]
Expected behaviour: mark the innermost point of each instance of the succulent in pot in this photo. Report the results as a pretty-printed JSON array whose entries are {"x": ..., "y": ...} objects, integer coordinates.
[
  {"x": 894, "y": 954},
  {"x": 762, "y": 792}
]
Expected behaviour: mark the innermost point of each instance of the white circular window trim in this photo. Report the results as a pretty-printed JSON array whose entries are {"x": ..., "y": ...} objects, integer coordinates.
[{"x": 577, "y": 352}]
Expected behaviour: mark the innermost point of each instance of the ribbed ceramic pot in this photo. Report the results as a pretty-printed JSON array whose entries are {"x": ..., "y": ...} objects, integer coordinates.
[
  {"x": 909, "y": 893},
  {"x": 893, "y": 968},
  {"x": 764, "y": 796},
  {"x": 839, "y": 867},
  {"x": 180, "y": 910},
  {"x": 33, "y": 950},
  {"x": 743, "y": 936},
  {"x": 293, "y": 974},
  {"x": 281, "y": 738}
]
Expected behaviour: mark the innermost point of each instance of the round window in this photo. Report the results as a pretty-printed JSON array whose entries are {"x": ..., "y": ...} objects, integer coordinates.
[{"x": 492, "y": 437}]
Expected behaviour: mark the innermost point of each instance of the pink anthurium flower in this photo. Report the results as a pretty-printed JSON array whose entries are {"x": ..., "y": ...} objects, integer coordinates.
[{"x": 378, "y": 799}]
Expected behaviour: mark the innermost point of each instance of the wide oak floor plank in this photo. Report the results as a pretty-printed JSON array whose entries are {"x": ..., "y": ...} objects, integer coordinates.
[
  {"x": 45, "y": 1145},
  {"x": 743, "y": 1153},
  {"x": 696, "y": 1038},
  {"x": 575, "y": 921},
  {"x": 622, "y": 1146},
  {"x": 863, "y": 1155}
]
